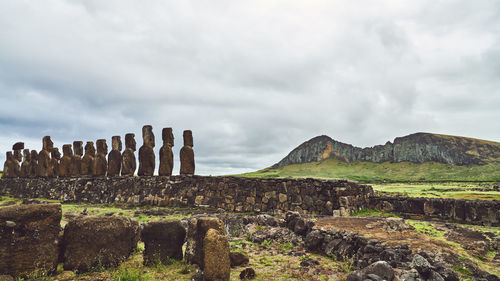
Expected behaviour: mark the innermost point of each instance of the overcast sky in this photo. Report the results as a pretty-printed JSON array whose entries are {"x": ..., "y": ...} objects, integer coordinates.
[{"x": 252, "y": 79}]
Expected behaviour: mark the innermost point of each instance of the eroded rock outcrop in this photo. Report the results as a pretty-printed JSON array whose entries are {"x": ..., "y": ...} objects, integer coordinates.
[{"x": 163, "y": 240}]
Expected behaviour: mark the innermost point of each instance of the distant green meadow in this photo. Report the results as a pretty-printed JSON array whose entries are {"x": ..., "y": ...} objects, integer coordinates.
[{"x": 429, "y": 179}]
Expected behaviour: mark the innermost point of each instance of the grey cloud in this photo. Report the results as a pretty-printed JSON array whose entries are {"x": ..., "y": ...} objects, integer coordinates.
[{"x": 252, "y": 79}]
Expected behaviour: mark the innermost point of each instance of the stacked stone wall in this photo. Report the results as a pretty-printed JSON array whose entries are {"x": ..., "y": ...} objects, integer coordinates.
[{"x": 312, "y": 196}]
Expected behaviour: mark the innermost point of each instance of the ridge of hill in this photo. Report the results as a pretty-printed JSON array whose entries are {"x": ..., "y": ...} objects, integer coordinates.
[{"x": 414, "y": 148}]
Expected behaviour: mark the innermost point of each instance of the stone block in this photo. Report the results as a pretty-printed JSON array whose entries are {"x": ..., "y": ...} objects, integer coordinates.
[
  {"x": 29, "y": 239},
  {"x": 163, "y": 240},
  {"x": 197, "y": 229},
  {"x": 98, "y": 242},
  {"x": 217, "y": 265}
]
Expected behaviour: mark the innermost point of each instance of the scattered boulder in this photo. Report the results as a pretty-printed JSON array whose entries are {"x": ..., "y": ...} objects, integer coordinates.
[
  {"x": 216, "y": 262},
  {"x": 266, "y": 219},
  {"x": 91, "y": 242},
  {"x": 197, "y": 229},
  {"x": 396, "y": 224},
  {"x": 163, "y": 240},
  {"x": 314, "y": 240},
  {"x": 29, "y": 239},
  {"x": 381, "y": 269},
  {"x": 247, "y": 273},
  {"x": 6, "y": 278},
  {"x": 238, "y": 259},
  {"x": 421, "y": 265}
]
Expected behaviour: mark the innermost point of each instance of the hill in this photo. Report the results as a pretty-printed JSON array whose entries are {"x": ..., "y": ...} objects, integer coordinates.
[
  {"x": 414, "y": 148},
  {"x": 416, "y": 157}
]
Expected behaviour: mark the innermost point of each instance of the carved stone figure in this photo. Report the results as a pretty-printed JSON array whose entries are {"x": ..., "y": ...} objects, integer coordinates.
[
  {"x": 187, "y": 154},
  {"x": 146, "y": 152},
  {"x": 76, "y": 161},
  {"x": 65, "y": 164},
  {"x": 26, "y": 165},
  {"x": 54, "y": 162},
  {"x": 17, "y": 148},
  {"x": 166, "y": 154},
  {"x": 100, "y": 162},
  {"x": 33, "y": 164},
  {"x": 11, "y": 167},
  {"x": 87, "y": 168},
  {"x": 115, "y": 157},
  {"x": 44, "y": 157},
  {"x": 128, "y": 158}
]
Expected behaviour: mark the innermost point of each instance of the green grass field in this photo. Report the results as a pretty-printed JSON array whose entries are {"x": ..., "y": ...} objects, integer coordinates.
[{"x": 369, "y": 172}]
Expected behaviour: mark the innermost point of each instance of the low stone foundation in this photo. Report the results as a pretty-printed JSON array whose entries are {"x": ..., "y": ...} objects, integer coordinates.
[
  {"x": 313, "y": 196},
  {"x": 481, "y": 212}
]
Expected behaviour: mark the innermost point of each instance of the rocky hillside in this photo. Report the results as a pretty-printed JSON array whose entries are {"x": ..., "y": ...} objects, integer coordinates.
[{"x": 415, "y": 148}]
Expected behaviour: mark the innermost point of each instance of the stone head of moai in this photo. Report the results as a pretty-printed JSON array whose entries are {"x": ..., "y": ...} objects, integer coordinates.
[
  {"x": 167, "y": 136},
  {"x": 102, "y": 147},
  {"x": 147, "y": 136},
  {"x": 78, "y": 148},
  {"x": 67, "y": 151},
  {"x": 34, "y": 155},
  {"x": 27, "y": 155},
  {"x": 89, "y": 148},
  {"x": 55, "y": 153},
  {"x": 9, "y": 156},
  {"x": 47, "y": 143},
  {"x": 130, "y": 141},
  {"x": 188, "y": 138},
  {"x": 17, "y": 148},
  {"x": 116, "y": 143}
]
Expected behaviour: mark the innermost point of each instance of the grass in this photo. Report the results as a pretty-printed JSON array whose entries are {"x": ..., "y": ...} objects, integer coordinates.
[
  {"x": 371, "y": 212},
  {"x": 369, "y": 172}
]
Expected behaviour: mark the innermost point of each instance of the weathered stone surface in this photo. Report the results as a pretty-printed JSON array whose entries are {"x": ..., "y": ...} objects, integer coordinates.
[
  {"x": 381, "y": 269},
  {"x": 128, "y": 158},
  {"x": 17, "y": 148},
  {"x": 29, "y": 238},
  {"x": 217, "y": 265},
  {"x": 98, "y": 241},
  {"x": 44, "y": 157},
  {"x": 11, "y": 168},
  {"x": 54, "y": 166},
  {"x": 33, "y": 164},
  {"x": 146, "y": 152},
  {"x": 88, "y": 160},
  {"x": 238, "y": 259},
  {"x": 76, "y": 159},
  {"x": 100, "y": 162},
  {"x": 163, "y": 240},
  {"x": 197, "y": 228},
  {"x": 115, "y": 157},
  {"x": 26, "y": 165},
  {"x": 187, "y": 154},
  {"x": 166, "y": 154},
  {"x": 65, "y": 164}
]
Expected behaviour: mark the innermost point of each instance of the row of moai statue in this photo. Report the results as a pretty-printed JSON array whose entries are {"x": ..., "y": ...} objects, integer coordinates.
[{"x": 49, "y": 163}]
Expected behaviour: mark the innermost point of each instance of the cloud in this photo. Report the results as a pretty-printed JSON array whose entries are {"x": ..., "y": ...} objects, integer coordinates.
[{"x": 252, "y": 79}]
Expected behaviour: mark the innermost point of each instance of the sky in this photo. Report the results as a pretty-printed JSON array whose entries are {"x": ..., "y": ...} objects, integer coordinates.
[{"x": 251, "y": 79}]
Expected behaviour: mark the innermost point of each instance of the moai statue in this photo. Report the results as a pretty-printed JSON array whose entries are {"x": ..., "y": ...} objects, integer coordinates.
[
  {"x": 26, "y": 165},
  {"x": 17, "y": 148},
  {"x": 166, "y": 154},
  {"x": 33, "y": 164},
  {"x": 187, "y": 154},
  {"x": 65, "y": 164},
  {"x": 11, "y": 167},
  {"x": 44, "y": 157},
  {"x": 128, "y": 157},
  {"x": 88, "y": 160},
  {"x": 100, "y": 162},
  {"x": 76, "y": 161},
  {"x": 146, "y": 152},
  {"x": 54, "y": 165},
  {"x": 115, "y": 157}
]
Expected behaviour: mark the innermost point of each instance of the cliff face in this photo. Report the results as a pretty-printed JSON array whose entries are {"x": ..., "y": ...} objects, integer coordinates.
[{"x": 416, "y": 148}]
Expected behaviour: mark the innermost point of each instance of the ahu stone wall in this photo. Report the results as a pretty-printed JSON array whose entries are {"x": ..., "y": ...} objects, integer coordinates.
[{"x": 312, "y": 196}]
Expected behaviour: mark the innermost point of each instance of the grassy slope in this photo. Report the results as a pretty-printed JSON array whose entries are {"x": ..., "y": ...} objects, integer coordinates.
[{"x": 383, "y": 172}]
